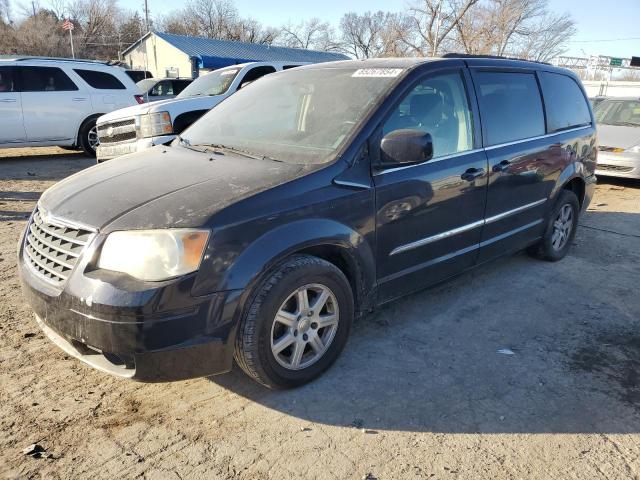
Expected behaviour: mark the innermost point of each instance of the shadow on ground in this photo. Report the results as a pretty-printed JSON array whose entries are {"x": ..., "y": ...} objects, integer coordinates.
[{"x": 430, "y": 362}]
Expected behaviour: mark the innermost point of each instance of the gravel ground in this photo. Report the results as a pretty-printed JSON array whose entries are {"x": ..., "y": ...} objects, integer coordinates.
[{"x": 419, "y": 392}]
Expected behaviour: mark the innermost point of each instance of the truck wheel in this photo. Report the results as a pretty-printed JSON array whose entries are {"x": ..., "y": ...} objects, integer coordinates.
[
  {"x": 297, "y": 323},
  {"x": 89, "y": 137},
  {"x": 560, "y": 230}
]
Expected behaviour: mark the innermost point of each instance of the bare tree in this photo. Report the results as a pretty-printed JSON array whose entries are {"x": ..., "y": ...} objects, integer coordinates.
[
  {"x": 430, "y": 23},
  {"x": 372, "y": 34},
  {"x": 314, "y": 34}
]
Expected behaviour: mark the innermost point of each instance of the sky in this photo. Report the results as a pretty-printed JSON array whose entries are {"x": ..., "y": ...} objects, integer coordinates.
[{"x": 609, "y": 27}]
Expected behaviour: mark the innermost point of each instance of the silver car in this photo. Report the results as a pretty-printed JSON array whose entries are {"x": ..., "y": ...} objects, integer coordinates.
[{"x": 618, "y": 122}]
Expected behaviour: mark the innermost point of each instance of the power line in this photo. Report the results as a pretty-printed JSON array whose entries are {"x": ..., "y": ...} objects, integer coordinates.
[{"x": 604, "y": 40}]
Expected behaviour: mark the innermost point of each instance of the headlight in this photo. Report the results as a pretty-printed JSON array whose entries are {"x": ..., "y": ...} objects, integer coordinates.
[
  {"x": 155, "y": 124},
  {"x": 154, "y": 255}
]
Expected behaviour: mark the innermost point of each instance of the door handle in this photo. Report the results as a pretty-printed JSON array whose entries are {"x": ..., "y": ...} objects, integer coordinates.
[
  {"x": 79, "y": 99},
  {"x": 8, "y": 100},
  {"x": 503, "y": 166},
  {"x": 471, "y": 174}
]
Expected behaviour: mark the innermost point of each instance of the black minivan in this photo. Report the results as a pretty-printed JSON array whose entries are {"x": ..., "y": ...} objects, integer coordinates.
[{"x": 306, "y": 199}]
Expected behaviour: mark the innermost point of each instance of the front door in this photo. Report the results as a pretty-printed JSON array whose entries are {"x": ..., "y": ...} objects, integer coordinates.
[
  {"x": 429, "y": 216},
  {"x": 11, "y": 125},
  {"x": 520, "y": 158}
]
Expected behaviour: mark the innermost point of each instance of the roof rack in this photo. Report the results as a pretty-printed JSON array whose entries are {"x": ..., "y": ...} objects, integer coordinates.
[
  {"x": 55, "y": 59},
  {"x": 497, "y": 57}
]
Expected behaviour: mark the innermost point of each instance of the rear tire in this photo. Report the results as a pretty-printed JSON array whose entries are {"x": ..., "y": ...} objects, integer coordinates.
[
  {"x": 297, "y": 323},
  {"x": 561, "y": 229},
  {"x": 89, "y": 137}
]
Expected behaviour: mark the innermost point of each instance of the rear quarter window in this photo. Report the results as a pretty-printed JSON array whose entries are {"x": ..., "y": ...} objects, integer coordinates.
[
  {"x": 510, "y": 106},
  {"x": 100, "y": 80},
  {"x": 565, "y": 103}
]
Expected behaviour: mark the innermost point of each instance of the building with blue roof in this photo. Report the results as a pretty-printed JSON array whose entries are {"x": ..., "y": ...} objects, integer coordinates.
[{"x": 169, "y": 55}]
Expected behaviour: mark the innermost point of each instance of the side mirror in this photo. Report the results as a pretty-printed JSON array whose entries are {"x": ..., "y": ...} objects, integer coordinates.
[{"x": 405, "y": 147}]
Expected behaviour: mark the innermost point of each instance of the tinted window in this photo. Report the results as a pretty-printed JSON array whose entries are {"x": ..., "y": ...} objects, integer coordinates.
[
  {"x": 510, "y": 106},
  {"x": 45, "y": 79},
  {"x": 100, "y": 80},
  {"x": 256, "y": 73},
  {"x": 137, "y": 75},
  {"x": 566, "y": 105},
  {"x": 7, "y": 81},
  {"x": 162, "y": 88},
  {"x": 287, "y": 67},
  {"x": 179, "y": 85},
  {"x": 439, "y": 106}
]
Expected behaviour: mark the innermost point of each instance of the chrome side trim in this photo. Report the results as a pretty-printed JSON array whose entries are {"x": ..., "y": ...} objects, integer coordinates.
[
  {"x": 508, "y": 213},
  {"x": 539, "y": 137},
  {"x": 433, "y": 160},
  {"x": 435, "y": 238},
  {"x": 466, "y": 228}
]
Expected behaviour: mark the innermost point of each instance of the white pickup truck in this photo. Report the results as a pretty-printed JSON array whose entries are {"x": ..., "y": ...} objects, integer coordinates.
[{"x": 142, "y": 126}]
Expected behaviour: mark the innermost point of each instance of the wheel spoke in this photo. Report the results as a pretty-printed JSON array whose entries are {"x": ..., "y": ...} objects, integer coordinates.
[
  {"x": 296, "y": 356},
  {"x": 320, "y": 301},
  {"x": 316, "y": 342},
  {"x": 303, "y": 300},
  {"x": 282, "y": 343},
  {"x": 327, "y": 320},
  {"x": 286, "y": 318}
]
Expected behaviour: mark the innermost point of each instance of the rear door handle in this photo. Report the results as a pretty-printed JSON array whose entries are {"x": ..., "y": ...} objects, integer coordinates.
[
  {"x": 471, "y": 174},
  {"x": 8, "y": 100},
  {"x": 503, "y": 166},
  {"x": 79, "y": 99}
]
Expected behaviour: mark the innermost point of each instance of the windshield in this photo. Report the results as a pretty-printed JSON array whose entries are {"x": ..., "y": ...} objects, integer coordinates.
[
  {"x": 214, "y": 83},
  {"x": 146, "y": 85},
  {"x": 618, "y": 112},
  {"x": 297, "y": 116}
]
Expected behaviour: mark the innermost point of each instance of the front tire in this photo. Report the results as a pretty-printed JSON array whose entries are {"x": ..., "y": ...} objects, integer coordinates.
[
  {"x": 89, "y": 137},
  {"x": 297, "y": 323},
  {"x": 561, "y": 229}
]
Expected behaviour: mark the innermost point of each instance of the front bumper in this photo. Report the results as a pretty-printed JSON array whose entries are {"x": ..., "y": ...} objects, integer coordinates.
[
  {"x": 141, "y": 332},
  {"x": 624, "y": 164},
  {"x": 108, "y": 151}
]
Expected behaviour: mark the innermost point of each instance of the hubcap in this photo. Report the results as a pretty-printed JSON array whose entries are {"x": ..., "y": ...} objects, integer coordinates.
[
  {"x": 562, "y": 226},
  {"x": 304, "y": 326},
  {"x": 92, "y": 138}
]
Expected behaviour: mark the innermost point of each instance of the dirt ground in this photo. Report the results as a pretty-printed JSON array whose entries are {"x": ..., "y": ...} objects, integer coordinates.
[{"x": 419, "y": 392}]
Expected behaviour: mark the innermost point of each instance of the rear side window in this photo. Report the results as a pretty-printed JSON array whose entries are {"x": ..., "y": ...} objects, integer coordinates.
[
  {"x": 510, "y": 106},
  {"x": 45, "y": 79},
  {"x": 100, "y": 80},
  {"x": 566, "y": 105},
  {"x": 7, "y": 80},
  {"x": 179, "y": 85},
  {"x": 256, "y": 73}
]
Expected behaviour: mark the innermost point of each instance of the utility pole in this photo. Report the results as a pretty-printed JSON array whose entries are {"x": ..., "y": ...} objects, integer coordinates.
[{"x": 146, "y": 15}]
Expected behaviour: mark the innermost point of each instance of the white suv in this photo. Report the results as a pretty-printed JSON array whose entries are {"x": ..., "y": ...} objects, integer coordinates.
[
  {"x": 143, "y": 126},
  {"x": 55, "y": 102}
]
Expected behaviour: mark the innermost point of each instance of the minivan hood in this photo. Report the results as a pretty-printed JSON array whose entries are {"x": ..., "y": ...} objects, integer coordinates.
[
  {"x": 174, "y": 106},
  {"x": 618, "y": 136},
  {"x": 161, "y": 187}
]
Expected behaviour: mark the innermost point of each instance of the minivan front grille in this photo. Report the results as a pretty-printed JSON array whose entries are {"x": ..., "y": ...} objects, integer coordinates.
[
  {"x": 115, "y": 132},
  {"x": 52, "y": 248}
]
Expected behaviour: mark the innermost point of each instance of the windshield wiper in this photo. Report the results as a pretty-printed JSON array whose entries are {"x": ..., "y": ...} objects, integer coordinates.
[{"x": 244, "y": 153}]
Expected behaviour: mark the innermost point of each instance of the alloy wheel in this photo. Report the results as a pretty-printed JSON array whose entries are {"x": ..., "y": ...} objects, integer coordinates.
[
  {"x": 562, "y": 226},
  {"x": 92, "y": 138},
  {"x": 304, "y": 326}
]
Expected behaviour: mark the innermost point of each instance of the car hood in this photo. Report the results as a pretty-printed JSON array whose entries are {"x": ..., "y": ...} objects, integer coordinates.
[
  {"x": 161, "y": 187},
  {"x": 174, "y": 106},
  {"x": 618, "y": 136}
]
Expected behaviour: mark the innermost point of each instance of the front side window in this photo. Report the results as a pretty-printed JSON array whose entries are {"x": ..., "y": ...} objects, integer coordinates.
[
  {"x": 298, "y": 116},
  {"x": 45, "y": 79},
  {"x": 100, "y": 80},
  {"x": 510, "y": 106},
  {"x": 618, "y": 112},
  {"x": 7, "y": 81},
  {"x": 162, "y": 88},
  {"x": 438, "y": 106},
  {"x": 255, "y": 73},
  {"x": 566, "y": 105},
  {"x": 214, "y": 83}
]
